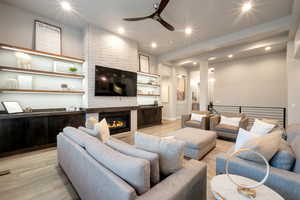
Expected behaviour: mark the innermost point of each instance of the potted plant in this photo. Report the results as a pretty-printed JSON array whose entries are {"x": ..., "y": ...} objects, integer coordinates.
[{"x": 73, "y": 69}]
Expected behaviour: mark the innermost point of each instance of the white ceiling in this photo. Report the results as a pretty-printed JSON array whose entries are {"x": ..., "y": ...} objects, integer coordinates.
[{"x": 208, "y": 18}]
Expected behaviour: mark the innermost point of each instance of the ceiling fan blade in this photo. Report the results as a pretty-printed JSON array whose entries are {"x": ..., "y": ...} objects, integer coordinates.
[
  {"x": 136, "y": 18},
  {"x": 162, "y": 6},
  {"x": 166, "y": 24}
]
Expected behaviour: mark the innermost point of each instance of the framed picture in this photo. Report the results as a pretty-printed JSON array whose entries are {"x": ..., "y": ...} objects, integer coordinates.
[
  {"x": 12, "y": 107},
  {"x": 144, "y": 63},
  {"x": 47, "y": 37},
  {"x": 181, "y": 80}
]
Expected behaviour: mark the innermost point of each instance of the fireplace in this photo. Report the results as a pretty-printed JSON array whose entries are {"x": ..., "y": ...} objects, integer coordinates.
[{"x": 118, "y": 122}]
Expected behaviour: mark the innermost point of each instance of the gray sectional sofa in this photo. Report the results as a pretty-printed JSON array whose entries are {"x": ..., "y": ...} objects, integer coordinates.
[
  {"x": 89, "y": 166},
  {"x": 284, "y": 174}
]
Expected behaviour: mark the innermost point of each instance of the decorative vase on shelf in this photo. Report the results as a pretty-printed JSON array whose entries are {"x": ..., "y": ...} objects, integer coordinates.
[
  {"x": 12, "y": 83},
  {"x": 23, "y": 60},
  {"x": 73, "y": 70}
]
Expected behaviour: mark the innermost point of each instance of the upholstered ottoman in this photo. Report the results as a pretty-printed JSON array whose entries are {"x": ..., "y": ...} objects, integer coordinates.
[{"x": 198, "y": 142}]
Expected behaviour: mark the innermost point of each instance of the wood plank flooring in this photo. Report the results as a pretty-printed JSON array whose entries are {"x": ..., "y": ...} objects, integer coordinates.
[{"x": 36, "y": 176}]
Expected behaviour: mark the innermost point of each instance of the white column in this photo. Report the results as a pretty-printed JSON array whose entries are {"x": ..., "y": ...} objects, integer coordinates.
[
  {"x": 173, "y": 95},
  {"x": 203, "y": 85}
]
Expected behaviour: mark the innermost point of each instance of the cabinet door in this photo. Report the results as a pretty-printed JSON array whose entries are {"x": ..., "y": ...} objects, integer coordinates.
[
  {"x": 12, "y": 134},
  {"x": 56, "y": 124},
  {"x": 36, "y": 131}
]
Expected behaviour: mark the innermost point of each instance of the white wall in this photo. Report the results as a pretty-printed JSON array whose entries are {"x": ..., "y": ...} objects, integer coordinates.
[
  {"x": 253, "y": 81},
  {"x": 17, "y": 28}
]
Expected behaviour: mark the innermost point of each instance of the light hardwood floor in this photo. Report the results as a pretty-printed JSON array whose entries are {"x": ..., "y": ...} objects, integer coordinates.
[{"x": 36, "y": 176}]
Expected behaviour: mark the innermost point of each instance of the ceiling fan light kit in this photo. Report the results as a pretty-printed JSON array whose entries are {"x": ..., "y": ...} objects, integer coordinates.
[{"x": 156, "y": 15}]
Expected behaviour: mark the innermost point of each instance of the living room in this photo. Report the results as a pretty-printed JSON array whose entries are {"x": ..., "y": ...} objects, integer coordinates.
[{"x": 100, "y": 102}]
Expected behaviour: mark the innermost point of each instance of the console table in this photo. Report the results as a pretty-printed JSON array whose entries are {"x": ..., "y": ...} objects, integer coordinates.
[{"x": 29, "y": 131}]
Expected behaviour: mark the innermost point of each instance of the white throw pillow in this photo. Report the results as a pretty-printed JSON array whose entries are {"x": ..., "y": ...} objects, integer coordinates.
[
  {"x": 103, "y": 130},
  {"x": 260, "y": 127},
  {"x": 243, "y": 137},
  {"x": 90, "y": 123},
  {"x": 197, "y": 117},
  {"x": 170, "y": 151},
  {"x": 231, "y": 121}
]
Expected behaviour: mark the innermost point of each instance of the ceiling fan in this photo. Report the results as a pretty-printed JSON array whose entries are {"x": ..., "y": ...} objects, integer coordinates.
[{"x": 156, "y": 15}]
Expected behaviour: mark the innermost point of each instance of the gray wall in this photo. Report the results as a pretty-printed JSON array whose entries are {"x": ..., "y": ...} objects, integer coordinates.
[
  {"x": 17, "y": 28},
  {"x": 253, "y": 81}
]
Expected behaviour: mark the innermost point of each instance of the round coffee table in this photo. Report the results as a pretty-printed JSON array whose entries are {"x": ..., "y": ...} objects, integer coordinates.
[{"x": 223, "y": 189}]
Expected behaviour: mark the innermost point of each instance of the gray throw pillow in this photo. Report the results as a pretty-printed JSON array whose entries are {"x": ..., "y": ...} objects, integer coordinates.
[
  {"x": 267, "y": 145},
  {"x": 131, "y": 150},
  {"x": 135, "y": 171},
  {"x": 296, "y": 148},
  {"x": 170, "y": 151},
  {"x": 284, "y": 158}
]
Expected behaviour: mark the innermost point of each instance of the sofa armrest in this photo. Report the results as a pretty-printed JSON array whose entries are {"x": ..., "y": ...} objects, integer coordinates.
[
  {"x": 284, "y": 182},
  {"x": 188, "y": 183},
  {"x": 214, "y": 121},
  {"x": 184, "y": 118},
  {"x": 244, "y": 123}
]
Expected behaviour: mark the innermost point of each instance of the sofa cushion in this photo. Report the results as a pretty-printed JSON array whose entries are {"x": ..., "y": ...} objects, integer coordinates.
[
  {"x": 91, "y": 132},
  {"x": 77, "y": 136},
  {"x": 227, "y": 128},
  {"x": 135, "y": 171},
  {"x": 194, "y": 124},
  {"x": 231, "y": 121},
  {"x": 171, "y": 151},
  {"x": 197, "y": 117},
  {"x": 292, "y": 132},
  {"x": 103, "y": 130},
  {"x": 267, "y": 145},
  {"x": 261, "y": 127},
  {"x": 296, "y": 148},
  {"x": 284, "y": 158},
  {"x": 131, "y": 150}
]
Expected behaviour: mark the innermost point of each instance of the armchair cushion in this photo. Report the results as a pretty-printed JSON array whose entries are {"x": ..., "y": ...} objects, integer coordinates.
[
  {"x": 227, "y": 128},
  {"x": 194, "y": 124},
  {"x": 197, "y": 117},
  {"x": 232, "y": 121}
]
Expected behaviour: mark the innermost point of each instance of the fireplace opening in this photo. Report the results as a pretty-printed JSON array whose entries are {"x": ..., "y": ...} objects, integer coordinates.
[{"x": 118, "y": 122}]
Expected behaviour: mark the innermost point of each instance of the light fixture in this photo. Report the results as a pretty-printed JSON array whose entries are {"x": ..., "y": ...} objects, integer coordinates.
[
  {"x": 188, "y": 30},
  {"x": 211, "y": 69},
  {"x": 153, "y": 45},
  {"x": 194, "y": 63},
  {"x": 230, "y": 56},
  {"x": 66, "y": 5},
  {"x": 268, "y": 48},
  {"x": 121, "y": 30},
  {"x": 247, "y": 6},
  {"x": 212, "y": 58}
]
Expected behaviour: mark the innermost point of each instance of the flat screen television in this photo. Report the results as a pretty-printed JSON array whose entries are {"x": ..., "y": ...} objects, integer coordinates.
[{"x": 114, "y": 82}]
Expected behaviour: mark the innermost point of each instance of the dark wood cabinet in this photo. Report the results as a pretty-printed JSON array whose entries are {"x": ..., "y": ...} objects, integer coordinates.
[
  {"x": 19, "y": 133},
  {"x": 149, "y": 116}
]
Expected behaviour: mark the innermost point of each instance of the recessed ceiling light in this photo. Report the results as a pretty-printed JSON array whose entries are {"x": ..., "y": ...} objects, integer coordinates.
[
  {"x": 153, "y": 45},
  {"x": 247, "y": 6},
  {"x": 194, "y": 63},
  {"x": 121, "y": 30},
  {"x": 268, "y": 48},
  {"x": 230, "y": 56},
  {"x": 66, "y": 5},
  {"x": 212, "y": 58},
  {"x": 188, "y": 30}
]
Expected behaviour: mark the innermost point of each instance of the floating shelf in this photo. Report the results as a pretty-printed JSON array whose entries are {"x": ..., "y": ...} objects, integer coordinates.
[
  {"x": 41, "y": 53},
  {"x": 148, "y": 74},
  {"x": 42, "y": 91},
  {"x": 40, "y": 72},
  {"x": 149, "y": 95},
  {"x": 149, "y": 85}
]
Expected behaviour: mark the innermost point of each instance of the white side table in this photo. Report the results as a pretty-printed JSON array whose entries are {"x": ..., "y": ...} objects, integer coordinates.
[{"x": 223, "y": 189}]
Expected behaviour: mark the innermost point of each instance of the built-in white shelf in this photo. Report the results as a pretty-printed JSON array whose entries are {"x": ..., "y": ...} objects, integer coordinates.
[
  {"x": 40, "y": 72},
  {"x": 150, "y": 95},
  {"x": 148, "y": 74},
  {"x": 148, "y": 84},
  {"x": 35, "y": 91}
]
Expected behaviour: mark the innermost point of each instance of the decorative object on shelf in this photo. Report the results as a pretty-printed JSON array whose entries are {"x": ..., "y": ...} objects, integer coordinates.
[
  {"x": 47, "y": 37},
  {"x": 181, "y": 81},
  {"x": 12, "y": 107},
  {"x": 156, "y": 103},
  {"x": 144, "y": 63},
  {"x": 73, "y": 69},
  {"x": 64, "y": 87},
  {"x": 247, "y": 190},
  {"x": 59, "y": 66},
  {"x": 11, "y": 83},
  {"x": 28, "y": 110},
  {"x": 23, "y": 60},
  {"x": 25, "y": 82}
]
